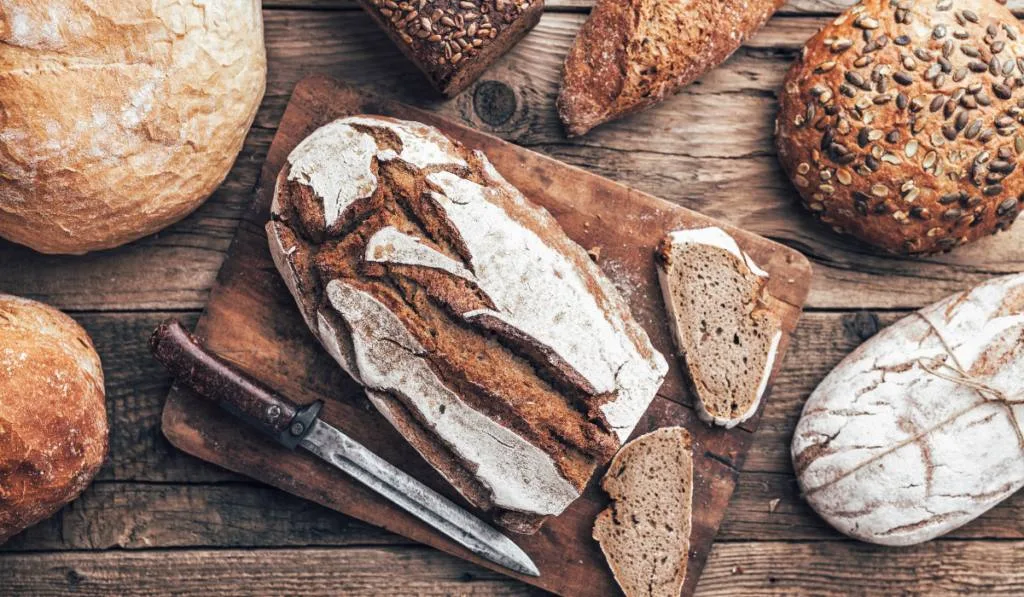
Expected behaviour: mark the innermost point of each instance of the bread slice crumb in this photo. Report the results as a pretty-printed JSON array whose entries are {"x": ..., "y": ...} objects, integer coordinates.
[
  {"x": 645, "y": 532},
  {"x": 726, "y": 335}
]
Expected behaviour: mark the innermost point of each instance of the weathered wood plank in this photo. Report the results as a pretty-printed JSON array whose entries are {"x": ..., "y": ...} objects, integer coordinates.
[
  {"x": 113, "y": 515},
  {"x": 709, "y": 148},
  {"x": 328, "y": 572},
  {"x": 814, "y": 568},
  {"x": 137, "y": 386}
]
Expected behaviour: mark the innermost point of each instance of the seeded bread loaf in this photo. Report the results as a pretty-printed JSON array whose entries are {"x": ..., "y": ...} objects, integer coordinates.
[
  {"x": 726, "y": 335},
  {"x": 453, "y": 41},
  {"x": 645, "y": 533},
  {"x": 918, "y": 431},
  {"x": 632, "y": 54},
  {"x": 900, "y": 123},
  {"x": 53, "y": 420},
  {"x": 488, "y": 338}
]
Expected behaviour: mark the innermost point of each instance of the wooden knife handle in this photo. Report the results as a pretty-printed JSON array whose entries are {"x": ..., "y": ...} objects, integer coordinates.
[{"x": 211, "y": 377}]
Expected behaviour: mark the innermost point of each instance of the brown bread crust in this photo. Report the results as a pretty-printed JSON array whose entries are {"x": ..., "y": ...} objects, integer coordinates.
[
  {"x": 899, "y": 124},
  {"x": 454, "y": 41},
  {"x": 632, "y": 54},
  {"x": 53, "y": 422}
]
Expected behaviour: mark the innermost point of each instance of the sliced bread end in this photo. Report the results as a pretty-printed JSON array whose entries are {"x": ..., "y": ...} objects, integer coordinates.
[
  {"x": 645, "y": 532},
  {"x": 726, "y": 335}
]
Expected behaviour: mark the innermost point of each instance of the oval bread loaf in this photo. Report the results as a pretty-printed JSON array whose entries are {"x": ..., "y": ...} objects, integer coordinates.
[
  {"x": 53, "y": 420},
  {"x": 488, "y": 338},
  {"x": 120, "y": 118},
  {"x": 918, "y": 431},
  {"x": 900, "y": 123}
]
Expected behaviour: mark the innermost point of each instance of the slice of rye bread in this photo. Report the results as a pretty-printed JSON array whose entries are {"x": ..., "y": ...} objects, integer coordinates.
[
  {"x": 726, "y": 335},
  {"x": 645, "y": 533}
]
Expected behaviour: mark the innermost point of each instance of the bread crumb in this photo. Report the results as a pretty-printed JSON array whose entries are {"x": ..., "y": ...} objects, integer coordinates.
[
  {"x": 595, "y": 253},
  {"x": 773, "y": 504},
  {"x": 737, "y": 570}
]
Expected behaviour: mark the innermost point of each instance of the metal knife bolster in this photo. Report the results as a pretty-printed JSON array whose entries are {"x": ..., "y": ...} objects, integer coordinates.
[{"x": 213, "y": 378}]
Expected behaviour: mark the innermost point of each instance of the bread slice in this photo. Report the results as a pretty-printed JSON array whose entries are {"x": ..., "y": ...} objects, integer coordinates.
[
  {"x": 645, "y": 533},
  {"x": 726, "y": 335},
  {"x": 631, "y": 54}
]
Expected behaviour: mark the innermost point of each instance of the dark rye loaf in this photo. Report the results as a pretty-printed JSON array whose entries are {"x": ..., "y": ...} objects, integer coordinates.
[{"x": 488, "y": 338}]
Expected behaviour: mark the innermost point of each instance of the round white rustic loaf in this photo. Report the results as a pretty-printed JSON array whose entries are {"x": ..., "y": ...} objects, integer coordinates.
[
  {"x": 53, "y": 422},
  {"x": 120, "y": 117},
  {"x": 918, "y": 431}
]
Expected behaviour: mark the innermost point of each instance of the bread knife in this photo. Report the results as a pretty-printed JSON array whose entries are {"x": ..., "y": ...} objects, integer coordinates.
[{"x": 293, "y": 426}]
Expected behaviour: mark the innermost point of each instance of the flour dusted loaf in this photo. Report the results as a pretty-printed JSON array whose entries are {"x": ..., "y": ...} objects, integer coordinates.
[
  {"x": 645, "y": 532},
  {"x": 632, "y": 54},
  {"x": 53, "y": 421},
  {"x": 919, "y": 431},
  {"x": 900, "y": 124},
  {"x": 488, "y": 338},
  {"x": 726, "y": 334},
  {"x": 453, "y": 41},
  {"x": 120, "y": 116}
]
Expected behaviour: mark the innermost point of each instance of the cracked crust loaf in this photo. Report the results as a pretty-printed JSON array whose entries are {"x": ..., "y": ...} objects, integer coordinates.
[
  {"x": 120, "y": 117},
  {"x": 645, "y": 532},
  {"x": 488, "y": 338},
  {"x": 895, "y": 446},
  {"x": 53, "y": 419},
  {"x": 632, "y": 54},
  {"x": 726, "y": 335},
  {"x": 900, "y": 123}
]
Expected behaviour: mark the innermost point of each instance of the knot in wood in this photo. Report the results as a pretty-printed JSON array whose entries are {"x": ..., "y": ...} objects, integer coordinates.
[
  {"x": 861, "y": 325},
  {"x": 494, "y": 102}
]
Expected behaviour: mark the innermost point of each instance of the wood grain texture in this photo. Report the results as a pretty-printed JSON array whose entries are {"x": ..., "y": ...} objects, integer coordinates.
[
  {"x": 709, "y": 148},
  {"x": 784, "y": 569},
  {"x": 251, "y": 320}
]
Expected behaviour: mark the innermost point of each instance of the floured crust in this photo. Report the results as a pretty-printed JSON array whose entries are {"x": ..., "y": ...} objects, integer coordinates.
[
  {"x": 120, "y": 118},
  {"x": 890, "y": 453},
  {"x": 749, "y": 304},
  {"x": 488, "y": 338},
  {"x": 53, "y": 423},
  {"x": 631, "y": 54}
]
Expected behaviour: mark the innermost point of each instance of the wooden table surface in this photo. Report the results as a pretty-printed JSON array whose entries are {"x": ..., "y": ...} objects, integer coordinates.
[{"x": 157, "y": 521}]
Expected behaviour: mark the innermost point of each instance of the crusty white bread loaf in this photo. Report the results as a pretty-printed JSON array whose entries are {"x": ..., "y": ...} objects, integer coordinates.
[
  {"x": 488, "y": 338},
  {"x": 726, "y": 335},
  {"x": 645, "y": 532},
  {"x": 632, "y": 54},
  {"x": 918, "y": 431},
  {"x": 53, "y": 420},
  {"x": 120, "y": 116}
]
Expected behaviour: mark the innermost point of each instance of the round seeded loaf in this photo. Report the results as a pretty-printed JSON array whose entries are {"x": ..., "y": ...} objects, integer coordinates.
[
  {"x": 53, "y": 422},
  {"x": 120, "y": 118},
  {"x": 900, "y": 123}
]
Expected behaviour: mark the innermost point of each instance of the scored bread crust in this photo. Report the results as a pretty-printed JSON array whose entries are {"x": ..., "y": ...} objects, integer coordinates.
[
  {"x": 120, "y": 118},
  {"x": 752, "y": 302},
  {"x": 488, "y": 338},
  {"x": 900, "y": 123},
  {"x": 53, "y": 418},
  {"x": 632, "y": 54},
  {"x": 630, "y": 525}
]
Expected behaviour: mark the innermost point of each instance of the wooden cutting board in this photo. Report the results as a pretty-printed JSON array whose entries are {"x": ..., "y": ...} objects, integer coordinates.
[{"x": 252, "y": 321}]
